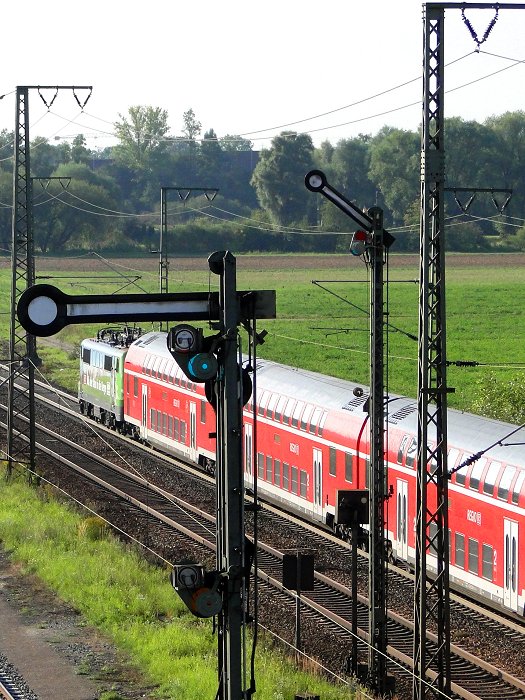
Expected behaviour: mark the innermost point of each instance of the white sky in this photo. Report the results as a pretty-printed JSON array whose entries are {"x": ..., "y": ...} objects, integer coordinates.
[{"x": 246, "y": 66}]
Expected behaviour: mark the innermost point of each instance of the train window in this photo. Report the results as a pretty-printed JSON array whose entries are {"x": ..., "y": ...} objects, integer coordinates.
[
  {"x": 367, "y": 473},
  {"x": 176, "y": 428},
  {"x": 162, "y": 369},
  {"x": 86, "y": 355},
  {"x": 487, "y": 558},
  {"x": 295, "y": 485},
  {"x": 461, "y": 475},
  {"x": 203, "y": 411},
  {"x": 170, "y": 370},
  {"x": 268, "y": 469},
  {"x": 333, "y": 461},
  {"x": 491, "y": 477},
  {"x": 159, "y": 422},
  {"x": 288, "y": 411},
  {"x": 260, "y": 465},
  {"x": 517, "y": 487},
  {"x": 170, "y": 426},
  {"x": 108, "y": 364},
  {"x": 153, "y": 419},
  {"x": 401, "y": 449},
  {"x": 303, "y": 476},
  {"x": 262, "y": 403},
  {"x": 459, "y": 550},
  {"x": 286, "y": 472},
  {"x": 271, "y": 405},
  {"x": 183, "y": 431},
  {"x": 164, "y": 423},
  {"x": 321, "y": 423},
  {"x": 277, "y": 472},
  {"x": 315, "y": 419},
  {"x": 452, "y": 458},
  {"x": 411, "y": 453},
  {"x": 473, "y": 556},
  {"x": 280, "y": 408},
  {"x": 306, "y": 416},
  {"x": 348, "y": 467},
  {"x": 149, "y": 364},
  {"x": 297, "y": 412},
  {"x": 505, "y": 482},
  {"x": 135, "y": 387},
  {"x": 477, "y": 471}
]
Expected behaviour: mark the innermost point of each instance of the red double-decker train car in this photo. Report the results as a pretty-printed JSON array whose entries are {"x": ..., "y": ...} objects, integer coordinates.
[{"x": 313, "y": 439}]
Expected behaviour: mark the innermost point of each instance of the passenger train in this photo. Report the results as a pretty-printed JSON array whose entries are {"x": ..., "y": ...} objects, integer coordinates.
[{"x": 312, "y": 440}]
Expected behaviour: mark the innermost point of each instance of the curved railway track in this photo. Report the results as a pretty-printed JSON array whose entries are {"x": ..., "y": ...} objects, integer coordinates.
[{"x": 328, "y": 605}]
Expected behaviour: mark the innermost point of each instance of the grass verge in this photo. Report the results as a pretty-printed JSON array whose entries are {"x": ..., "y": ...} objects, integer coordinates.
[{"x": 131, "y": 601}]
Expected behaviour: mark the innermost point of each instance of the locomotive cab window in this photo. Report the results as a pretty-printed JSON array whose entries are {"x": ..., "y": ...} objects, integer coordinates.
[{"x": 86, "y": 355}]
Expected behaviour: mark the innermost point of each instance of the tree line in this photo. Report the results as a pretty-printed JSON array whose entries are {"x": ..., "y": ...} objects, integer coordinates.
[{"x": 85, "y": 199}]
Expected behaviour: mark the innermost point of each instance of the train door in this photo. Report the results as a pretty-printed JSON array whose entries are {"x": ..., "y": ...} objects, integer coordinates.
[
  {"x": 193, "y": 431},
  {"x": 248, "y": 454},
  {"x": 318, "y": 482},
  {"x": 510, "y": 564},
  {"x": 402, "y": 517},
  {"x": 144, "y": 415}
]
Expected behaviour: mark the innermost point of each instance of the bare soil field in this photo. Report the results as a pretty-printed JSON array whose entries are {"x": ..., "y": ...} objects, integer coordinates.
[{"x": 92, "y": 262}]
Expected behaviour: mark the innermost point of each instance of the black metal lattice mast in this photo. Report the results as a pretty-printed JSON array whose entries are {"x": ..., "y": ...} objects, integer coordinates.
[
  {"x": 431, "y": 594},
  {"x": 377, "y": 666},
  {"x": 22, "y": 345}
]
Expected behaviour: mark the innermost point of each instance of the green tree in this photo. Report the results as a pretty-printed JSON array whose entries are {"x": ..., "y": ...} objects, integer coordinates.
[
  {"x": 142, "y": 135},
  {"x": 192, "y": 126},
  {"x": 78, "y": 214},
  {"x": 79, "y": 152},
  {"x": 395, "y": 168},
  {"x": 278, "y": 178}
]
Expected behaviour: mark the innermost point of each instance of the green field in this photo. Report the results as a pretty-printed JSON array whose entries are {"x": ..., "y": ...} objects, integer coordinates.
[{"x": 323, "y": 326}]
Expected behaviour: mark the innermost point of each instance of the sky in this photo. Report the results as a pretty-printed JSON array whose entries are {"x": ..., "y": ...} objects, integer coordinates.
[{"x": 251, "y": 68}]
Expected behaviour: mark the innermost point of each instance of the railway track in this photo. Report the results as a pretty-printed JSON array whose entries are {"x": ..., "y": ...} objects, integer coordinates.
[{"x": 328, "y": 604}]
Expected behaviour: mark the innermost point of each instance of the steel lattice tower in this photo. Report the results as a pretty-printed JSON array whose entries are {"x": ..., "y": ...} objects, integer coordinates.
[
  {"x": 22, "y": 345},
  {"x": 431, "y": 594}
]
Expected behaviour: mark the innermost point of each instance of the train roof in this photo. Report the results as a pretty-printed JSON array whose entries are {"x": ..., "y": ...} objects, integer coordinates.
[
  {"x": 471, "y": 433},
  {"x": 101, "y": 345}
]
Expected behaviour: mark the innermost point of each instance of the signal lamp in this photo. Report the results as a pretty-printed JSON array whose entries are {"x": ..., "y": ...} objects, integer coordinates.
[{"x": 359, "y": 243}]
